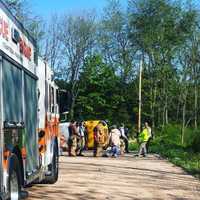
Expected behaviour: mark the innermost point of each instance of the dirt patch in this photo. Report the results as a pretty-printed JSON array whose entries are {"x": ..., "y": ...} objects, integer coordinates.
[{"x": 124, "y": 178}]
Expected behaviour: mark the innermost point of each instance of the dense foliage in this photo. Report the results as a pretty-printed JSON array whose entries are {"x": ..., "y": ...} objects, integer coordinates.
[{"x": 165, "y": 35}]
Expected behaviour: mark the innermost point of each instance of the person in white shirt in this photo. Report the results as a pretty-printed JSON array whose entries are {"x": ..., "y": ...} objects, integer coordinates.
[
  {"x": 115, "y": 141},
  {"x": 124, "y": 137}
]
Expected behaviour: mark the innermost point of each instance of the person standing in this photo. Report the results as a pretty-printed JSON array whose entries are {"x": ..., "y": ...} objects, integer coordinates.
[
  {"x": 115, "y": 141},
  {"x": 85, "y": 136},
  {"x": 72, "y": 141},
  {"x": 124, "y": 134},
  {"x": 149, "y": 135},
  {"x": 143, "y": 138},
  {"x": 81, "y": 140}
]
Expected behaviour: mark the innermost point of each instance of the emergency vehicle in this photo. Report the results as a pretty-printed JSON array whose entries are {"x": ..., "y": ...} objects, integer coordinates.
[{"x": 29, "y": 116}]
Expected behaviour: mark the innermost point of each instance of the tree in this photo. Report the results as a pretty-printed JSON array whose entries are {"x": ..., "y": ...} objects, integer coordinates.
[
  {"x": 99, "y": 96},
  {"x": 52, "y": 46},
  {"x": 114, "y": 42},
  {"x": 77, "y": 36},
  {"x": 158, "y": 28}
]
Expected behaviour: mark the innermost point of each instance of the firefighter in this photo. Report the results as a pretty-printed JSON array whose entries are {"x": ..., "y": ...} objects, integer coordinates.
[
  {"x": 72, "y": 141},
  {"x": 99, "y": 138},
  {"x": 81, "y": 139}
]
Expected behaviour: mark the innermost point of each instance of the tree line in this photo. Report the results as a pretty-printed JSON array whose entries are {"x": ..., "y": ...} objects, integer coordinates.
[{"x": 96, "y": 60}]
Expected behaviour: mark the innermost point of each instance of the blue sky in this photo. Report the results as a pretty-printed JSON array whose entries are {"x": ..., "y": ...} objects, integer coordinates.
[{"x": 45, "y": 7}]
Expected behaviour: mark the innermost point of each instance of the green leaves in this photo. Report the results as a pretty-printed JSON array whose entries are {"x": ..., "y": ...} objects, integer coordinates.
[{"x": 99, "y": 94}]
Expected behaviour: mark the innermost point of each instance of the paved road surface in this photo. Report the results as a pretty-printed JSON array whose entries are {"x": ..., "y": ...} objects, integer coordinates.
[{"x": 125, "y": 178}]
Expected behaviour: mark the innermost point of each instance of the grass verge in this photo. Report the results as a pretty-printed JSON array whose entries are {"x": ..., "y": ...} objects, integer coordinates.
[{"x": 168, "y": 144}]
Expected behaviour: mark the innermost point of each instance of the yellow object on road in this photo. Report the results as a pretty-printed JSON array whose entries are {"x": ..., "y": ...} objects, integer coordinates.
[{"x": 90, "y": 125}]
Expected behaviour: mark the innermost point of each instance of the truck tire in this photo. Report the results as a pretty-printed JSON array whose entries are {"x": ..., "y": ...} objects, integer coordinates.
[
  {"x": 14, "y": 184},
  {"x": 53, "y": 168}
]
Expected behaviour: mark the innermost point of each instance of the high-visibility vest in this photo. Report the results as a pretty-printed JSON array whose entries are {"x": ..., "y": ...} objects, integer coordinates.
[{"x": 144, "y": 135}]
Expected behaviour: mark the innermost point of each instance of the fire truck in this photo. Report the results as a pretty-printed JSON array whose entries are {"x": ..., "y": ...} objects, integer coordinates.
[{"x": 29, "y": 116}]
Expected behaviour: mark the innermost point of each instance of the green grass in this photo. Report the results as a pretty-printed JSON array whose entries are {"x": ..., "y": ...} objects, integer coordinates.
[
  {"x": 168, "y": 144},
  {"x": 133, "y": 145}
]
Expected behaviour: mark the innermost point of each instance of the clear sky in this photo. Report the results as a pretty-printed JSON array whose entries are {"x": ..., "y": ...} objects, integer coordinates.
[{"x": 45, "y": 7}]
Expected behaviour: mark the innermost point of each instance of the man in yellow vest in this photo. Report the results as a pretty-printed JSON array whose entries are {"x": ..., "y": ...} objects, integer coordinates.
[{"x": 143, "y": 139}]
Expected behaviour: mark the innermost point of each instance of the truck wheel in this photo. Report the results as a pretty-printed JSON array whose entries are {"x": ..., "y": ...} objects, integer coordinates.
[
  {"x": 14, "y": 179},
  {"x": 53, "y": 168}
]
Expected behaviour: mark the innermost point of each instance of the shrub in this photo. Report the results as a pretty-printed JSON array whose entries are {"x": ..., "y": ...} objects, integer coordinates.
[{"x": 195, "y": 146}]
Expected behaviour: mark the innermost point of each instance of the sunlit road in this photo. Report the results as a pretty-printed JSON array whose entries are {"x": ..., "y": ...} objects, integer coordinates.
[{"x": 125, "y": 178}]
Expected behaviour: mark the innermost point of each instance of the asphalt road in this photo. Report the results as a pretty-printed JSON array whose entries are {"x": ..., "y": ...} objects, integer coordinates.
[{"x": 124, "y": 178}]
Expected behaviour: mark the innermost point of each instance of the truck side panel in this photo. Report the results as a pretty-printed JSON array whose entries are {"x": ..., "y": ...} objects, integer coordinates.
[
  {"x": 12, "y": 92},
  {"x": 31, "y": 139},
  {"x": 1, "y": 131}
]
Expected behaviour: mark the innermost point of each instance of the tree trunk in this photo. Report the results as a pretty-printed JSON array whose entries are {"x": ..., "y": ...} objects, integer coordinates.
[
  {"x": 72, "y": 107},
  {"x": 166, "y": 116},
  {"x": 166, "y": 109},
  {"x": 163, "y": 117},
  {"x": 164, "y": 102},
  {"x": 178, "y": 109},
  {"x": 183, "y": 123},
  {"x": 153, "y": 107},
  {"x": 195, "y": 106}
]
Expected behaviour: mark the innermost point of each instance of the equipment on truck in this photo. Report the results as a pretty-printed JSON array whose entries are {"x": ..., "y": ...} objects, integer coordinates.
[{"x": 29, "y": 119}]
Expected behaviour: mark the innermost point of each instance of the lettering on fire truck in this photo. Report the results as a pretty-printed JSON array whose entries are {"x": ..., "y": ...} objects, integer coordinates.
[
  {"x": 23, "y": 46},
  {"x": 4, "y": 28},
  {"x": 25, "y": 49}
]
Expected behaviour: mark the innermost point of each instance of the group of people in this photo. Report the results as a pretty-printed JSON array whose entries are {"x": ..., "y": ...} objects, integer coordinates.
[
  {"x": 107, "y": 142},
  {"x": 113, "y": 141}
]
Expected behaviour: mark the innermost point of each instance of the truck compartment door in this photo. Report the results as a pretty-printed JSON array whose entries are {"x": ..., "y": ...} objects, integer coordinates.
[{"x": 30, "y": 97}]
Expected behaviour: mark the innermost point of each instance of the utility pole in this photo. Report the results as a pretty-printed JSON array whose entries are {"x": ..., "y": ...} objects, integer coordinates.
[{"x": 140, "y": 96}]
